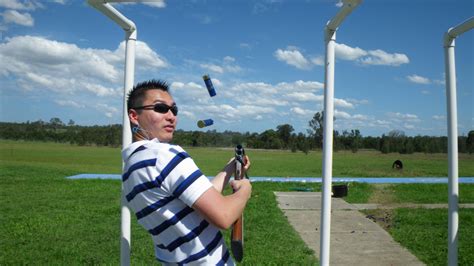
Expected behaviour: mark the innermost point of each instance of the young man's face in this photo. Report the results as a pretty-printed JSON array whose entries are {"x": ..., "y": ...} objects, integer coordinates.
[{"x": 157, "y": 125}]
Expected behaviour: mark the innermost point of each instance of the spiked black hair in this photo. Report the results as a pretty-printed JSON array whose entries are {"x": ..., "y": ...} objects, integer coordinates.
[{"x": 136, "y": 96}]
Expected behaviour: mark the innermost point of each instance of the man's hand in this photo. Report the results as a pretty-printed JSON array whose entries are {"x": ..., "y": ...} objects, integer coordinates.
[
  {"x": 244, "y": 185},
  {"x": 247, "y": 163}
]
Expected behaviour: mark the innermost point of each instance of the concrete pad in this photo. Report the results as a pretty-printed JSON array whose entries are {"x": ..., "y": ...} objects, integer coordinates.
[
  {"x": 308, "y": 201},
  {"x": 355, "y": 240}
]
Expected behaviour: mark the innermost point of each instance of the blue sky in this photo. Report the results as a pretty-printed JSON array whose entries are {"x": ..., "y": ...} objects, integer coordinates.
[{"x": 65, "y": 59}]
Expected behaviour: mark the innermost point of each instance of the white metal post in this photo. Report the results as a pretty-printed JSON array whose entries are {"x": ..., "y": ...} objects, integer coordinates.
[
  {"x": 453, "y": 188},
  {"x": 330, "y": 39},
  {"x": 453, "y": 176},
  {"x": 125, "y": 236},
  {"x": 130, "y": 40}
]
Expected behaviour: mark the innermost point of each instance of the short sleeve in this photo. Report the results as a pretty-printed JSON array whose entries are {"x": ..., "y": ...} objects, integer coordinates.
[{"x": 186, "y": 181}]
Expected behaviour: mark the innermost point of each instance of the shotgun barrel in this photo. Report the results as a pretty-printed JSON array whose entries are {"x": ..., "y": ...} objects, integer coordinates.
[{"x": 237, "y": 235}]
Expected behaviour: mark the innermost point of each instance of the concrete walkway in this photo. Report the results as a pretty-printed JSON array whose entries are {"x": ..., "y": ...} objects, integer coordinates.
[{"x": 355, "y": 240}]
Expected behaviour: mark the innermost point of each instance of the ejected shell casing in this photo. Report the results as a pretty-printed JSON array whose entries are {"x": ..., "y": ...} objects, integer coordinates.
[
  {"x": 205, "y": 123},
  {"x": 209, "y": 86}
]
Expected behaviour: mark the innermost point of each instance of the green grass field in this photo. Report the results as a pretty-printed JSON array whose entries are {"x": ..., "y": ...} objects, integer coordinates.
[{"x": 47, "y": 219}]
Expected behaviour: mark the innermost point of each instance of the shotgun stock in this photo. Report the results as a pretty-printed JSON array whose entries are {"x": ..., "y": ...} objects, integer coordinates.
[{"x": 237, "y": 235}]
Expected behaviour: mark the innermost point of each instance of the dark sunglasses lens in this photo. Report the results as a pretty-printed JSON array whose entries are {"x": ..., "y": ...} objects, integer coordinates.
[
  {"x": 163, "y": 108},
  {"x": 174, "y": 110}
]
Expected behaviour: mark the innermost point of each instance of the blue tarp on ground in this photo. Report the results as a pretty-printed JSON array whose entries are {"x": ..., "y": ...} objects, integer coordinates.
[{"x": 372, "y": 180}]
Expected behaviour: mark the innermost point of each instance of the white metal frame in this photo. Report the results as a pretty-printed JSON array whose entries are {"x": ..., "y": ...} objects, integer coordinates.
[
  {"x": 330, "y": 40},
  {"x": 453, "y": 176},
  {"x": 130, "y": 39}
]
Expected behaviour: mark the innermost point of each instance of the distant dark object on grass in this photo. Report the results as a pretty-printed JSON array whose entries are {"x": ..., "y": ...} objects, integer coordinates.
[
  {"x": 397, "y": 165},
  {"x": 339, "y": 191}
]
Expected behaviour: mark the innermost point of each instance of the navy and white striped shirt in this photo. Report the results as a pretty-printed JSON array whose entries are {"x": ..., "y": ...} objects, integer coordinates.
[{"x": 161, "y": 183}]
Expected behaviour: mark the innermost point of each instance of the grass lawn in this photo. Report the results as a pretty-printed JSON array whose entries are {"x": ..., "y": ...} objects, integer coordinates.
[
  {"x": 47, "y": 219},
  {"x": 424, "y": 232}
]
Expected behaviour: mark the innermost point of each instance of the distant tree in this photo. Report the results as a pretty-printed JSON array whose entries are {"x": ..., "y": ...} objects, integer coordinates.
[
  {"x": 71, "y": 122},
  {"x": 396, "y": 133},
  {"x": 385, "y": 144},
  {"x": 316, "y": 126},
  {"x": 356, "y": 140},
  {"x": 56, "y": 122},
  {"x": 470, "y": 142},
  {"x": 284, "y": 132},
  {"x": 302, "y": 143},
  {"x": 270, "y": 139}
]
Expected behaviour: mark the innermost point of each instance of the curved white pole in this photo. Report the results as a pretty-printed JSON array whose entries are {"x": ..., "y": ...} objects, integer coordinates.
[
  {"x": 453, "y": 175},
  {"x": 330, "y": 39},
  {"x": 130, "y": 39}
]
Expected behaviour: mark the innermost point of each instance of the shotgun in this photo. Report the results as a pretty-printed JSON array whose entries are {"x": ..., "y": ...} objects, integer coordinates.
[{"x": 237, "y": 235}]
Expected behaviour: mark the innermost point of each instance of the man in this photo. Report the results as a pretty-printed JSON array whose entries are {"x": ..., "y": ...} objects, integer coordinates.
[{"x": 181, "y": 209}]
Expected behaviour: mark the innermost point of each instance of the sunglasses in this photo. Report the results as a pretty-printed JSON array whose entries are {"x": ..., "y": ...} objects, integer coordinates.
[{"x": 161, "y": 108}]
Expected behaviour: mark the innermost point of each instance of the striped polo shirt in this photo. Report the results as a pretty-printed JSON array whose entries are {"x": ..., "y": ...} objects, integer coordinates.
[{"x": 161, "y": 182}]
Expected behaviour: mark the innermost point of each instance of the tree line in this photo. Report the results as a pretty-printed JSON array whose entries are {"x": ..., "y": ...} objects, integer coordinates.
[{"x": 282, "y": 137}]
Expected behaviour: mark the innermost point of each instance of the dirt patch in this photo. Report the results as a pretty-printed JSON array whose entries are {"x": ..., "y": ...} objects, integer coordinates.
[
  {"x": 383, "y": 217},
  {"x": 382, "y": 194}
]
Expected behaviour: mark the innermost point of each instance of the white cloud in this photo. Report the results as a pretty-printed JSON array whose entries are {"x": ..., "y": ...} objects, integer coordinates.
[
  {"x": 439, "y": 117},
  {"x": 304, "y": 96},
  {"x": 245, "y": 46},
  {"x": 342, "y": 103},
  {"x": 265, "y": 94},
  {"x": 346, "y": 52},
  {"x": 252, "y": 110},
  {"x": 339, "y": 3},
  {"x": 346, "y": 116},
  {"x": 107, "y": 108},
  {"x": 227, "y": 65},
  {"x": 360, "y": 117},
  {"x": 403, "y": 117},
  {"x": 15, "y": 17},
  {"x": 145, "y": 57},
  {"x": 191, "y": 92},
  {"x": 341, "y": 115},
  {"x": 300, "y": 85},
  {"x": 301, "y": 111},
  {"x": 47, "y": 65},
  {"x": 261, "y": 88},
  {"x": 371, "y": 57},
  {"x": 380, "y": 123},
  {"x": 357, "y": 102},
  {"x": 256, "y": 101},
  {"x": 292, "y": 57},
  {"x": 418, "y": 79},
  {"x": 100, "y": 90},
  {"x": 379, "y": 57},
  {"x": 69, "y": 103},
  {"x": 152, "y": 3},
  {"x": 156, "y": 3},
  {"x": 229, "y": 59},
  {"x": 319, "y": 60},
  {"x": 20, "y": 5}
]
